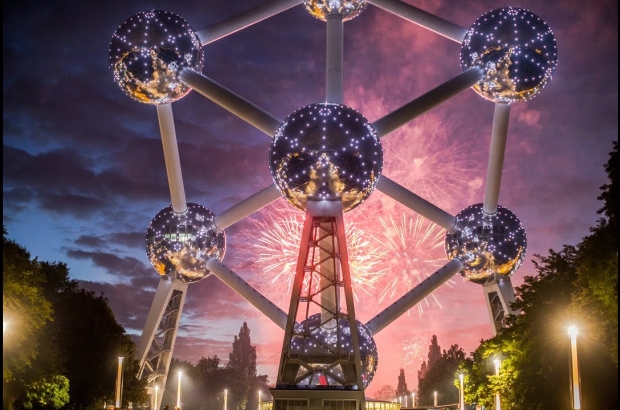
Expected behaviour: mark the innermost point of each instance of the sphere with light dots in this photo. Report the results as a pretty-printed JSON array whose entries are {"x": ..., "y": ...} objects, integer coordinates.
[
  {"x": 348, "y": 9},
  {"x": 322, "y": 348},
  {"x": 517, "y": 51},
  {"x": 491, "y": 247},
  {"x": 148, "y": 50},
  {"x": 326, "y": 151},
  {"x": 179, "y": 245}
]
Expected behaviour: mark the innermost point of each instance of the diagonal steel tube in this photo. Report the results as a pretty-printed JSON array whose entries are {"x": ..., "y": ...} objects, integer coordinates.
[
  {"x": 247, "y": 292},
  {"x": 422, "y": 18},
  {"x": 230, "y": 101},
  {"x": 416, "y": 203},
  {"x": 236, "y": 23},
  {"x": 425, "y": 102},
  {"x": 415, "y": 295},
  {"x": 246, "y": 207}
]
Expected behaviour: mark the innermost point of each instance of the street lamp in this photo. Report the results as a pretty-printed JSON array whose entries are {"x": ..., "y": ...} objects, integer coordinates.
[
  {"x": 497, "y": 399},
  {"x": 574, "y": 366},
  {"x": 413, "y": 399},
  {"x": 462, "y": 392},
  {"x": 156, "y": 392},
  {"x": 119, "y": 383},
  {"x": 259, "y": 392},
  {"x": 435, "y": 398},
  {"x": 179, "y": 392},
  {"x": 406, "y": 400},
  {"x": 4, "y": 325},
  {"x": 225, "y": 398}
]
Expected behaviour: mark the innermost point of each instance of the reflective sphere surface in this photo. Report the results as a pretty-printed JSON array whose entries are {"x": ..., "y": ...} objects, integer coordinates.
[
  {"x": 323, "y": 151},
  {"x": 347, "y": 8},
  {"x": 148, "y": 50},
  {"x": 491, "y": 247},
  {"x": 321, "y": 348},
  {"x": 516, "y": 49},
  {"x": 179, "y": 245}
]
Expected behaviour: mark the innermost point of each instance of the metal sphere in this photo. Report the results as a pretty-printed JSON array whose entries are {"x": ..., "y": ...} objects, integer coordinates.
[
  {"x": 348, "y": 9},
  {"x": 179, "y": 245},
  {"x": 322, "y": 348},
  {"x": 148, "y": 50},
  {"x": 326, "y": 151},
  {"x": 491, "y": 247},
  {"x": 516, "y": 49}
]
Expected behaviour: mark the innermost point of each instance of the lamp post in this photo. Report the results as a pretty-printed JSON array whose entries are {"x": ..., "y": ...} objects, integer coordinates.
[
  {"x": 435, "y": 398},
  {"x": 156, "y": 394},
  {"x": 225, "y": 398},
  {"x": 119, "y": 383},
  {"x": 179, "y": 392},
  {"x": 497, "y": 399},
  {"x": 462, "y": 392},
  {"x": 412, "y": 399},
  {"x": 259, "y": 392},
  {"x": 406, "y": 400},
  {"x": 574, "y": 367}
]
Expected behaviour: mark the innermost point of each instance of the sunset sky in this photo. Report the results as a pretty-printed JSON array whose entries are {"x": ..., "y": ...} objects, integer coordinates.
[{"x": 84, "y": 172}]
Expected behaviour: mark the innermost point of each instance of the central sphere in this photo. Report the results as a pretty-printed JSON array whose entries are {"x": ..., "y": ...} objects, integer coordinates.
[
  {"x": 491, "y": 247},
  {"x": 517, "y": 50},
  {"x": 148, "y": 50},
  {"x": 326, "y": 151},
  {"x": 180, "y": 245},
  {"x": 322, "y": 348},
  {"x": 348, "y": 9}
]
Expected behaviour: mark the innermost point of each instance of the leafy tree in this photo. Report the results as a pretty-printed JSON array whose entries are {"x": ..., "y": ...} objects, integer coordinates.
[
  {"x": 386, "y": 393},
  {"x": 52, "y": 392},
  {"x": 402, "y": 389}
]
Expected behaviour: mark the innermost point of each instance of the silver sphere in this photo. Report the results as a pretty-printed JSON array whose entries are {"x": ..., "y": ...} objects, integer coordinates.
[
  {"x": 326, "y": 151},
  {"x": 348, "y": 9},
  {"x": 322, "y": 347},
  {"x": 516, "y": 49},
  {"x": 179, "y": 245},
  {"x": 148, "y": 50},
  {"x": 491, "y": 247}
]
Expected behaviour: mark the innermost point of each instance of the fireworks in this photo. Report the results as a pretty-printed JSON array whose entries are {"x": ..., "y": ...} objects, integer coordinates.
[
  {"x": 416, "y": 251},
  {"x": 275, "y": 247},
  {"x": 413, "y": 351}
]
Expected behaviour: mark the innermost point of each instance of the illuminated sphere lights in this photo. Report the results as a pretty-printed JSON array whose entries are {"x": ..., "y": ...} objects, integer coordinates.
[
  {"x": 148, "y": 50},
  {"x": 179, "y": 245},
  {"x": 324, "y": 347},
  {"x": 326, "y": 151},
  {"x": 516, "y": 49},
  {"x": 348, "y": 9},
  {"x": 491, "y": 247}
]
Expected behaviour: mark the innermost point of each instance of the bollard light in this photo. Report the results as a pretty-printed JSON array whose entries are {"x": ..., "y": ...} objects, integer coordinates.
[{"x": 574, "y": 367}]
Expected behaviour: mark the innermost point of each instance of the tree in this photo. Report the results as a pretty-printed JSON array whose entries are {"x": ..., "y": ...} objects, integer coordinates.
[
  {"x": 242, "y": 360},
  {"x": 402, "y": 385},
  {"x": 386, "y": 393}
]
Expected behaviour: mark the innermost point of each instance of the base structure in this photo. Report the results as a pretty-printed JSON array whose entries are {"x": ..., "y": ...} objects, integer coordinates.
[
  {"x": 321, "y": 365},
  {"x": 499, "y": 295},
  {"x": 158, "y": 337}
]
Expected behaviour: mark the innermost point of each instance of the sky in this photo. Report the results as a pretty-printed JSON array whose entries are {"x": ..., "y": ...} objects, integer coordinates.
[{"x": 84, "y": 171}]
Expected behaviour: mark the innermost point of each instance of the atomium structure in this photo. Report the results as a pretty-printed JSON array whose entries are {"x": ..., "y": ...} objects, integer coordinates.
[{"x": 325, "y": 159}]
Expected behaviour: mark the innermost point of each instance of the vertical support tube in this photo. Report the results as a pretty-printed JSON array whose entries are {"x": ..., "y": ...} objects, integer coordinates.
[
  {"x": 496, "y": 158},
  {"x": 334, "y": 59},
  {"x": 171, "y": 156}
]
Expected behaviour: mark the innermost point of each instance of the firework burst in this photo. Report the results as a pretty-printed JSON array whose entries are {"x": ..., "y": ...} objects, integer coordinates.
[
  {"x": 415, "y": 246},
  {"x": 275, "y": 249}
]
